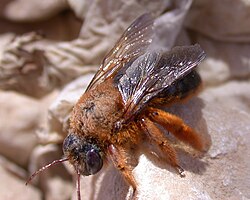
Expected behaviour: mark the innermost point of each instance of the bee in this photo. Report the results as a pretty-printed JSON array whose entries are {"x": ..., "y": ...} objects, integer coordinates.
[{"x": 122, "y": 104}]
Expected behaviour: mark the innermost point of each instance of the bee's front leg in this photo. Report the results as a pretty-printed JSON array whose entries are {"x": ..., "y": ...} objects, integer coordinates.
[{"x": 119, "y": 157}]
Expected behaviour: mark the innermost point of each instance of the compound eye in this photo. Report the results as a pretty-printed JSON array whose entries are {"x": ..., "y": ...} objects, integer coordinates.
[
  {"x": 93, "y": 161},
  {"x": 70, "y": 144}
]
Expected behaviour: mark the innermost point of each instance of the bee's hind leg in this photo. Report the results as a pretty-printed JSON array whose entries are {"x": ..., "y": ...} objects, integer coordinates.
[
  {"x": 177, "y": 127},
  {"x": 155, "y": 135}
]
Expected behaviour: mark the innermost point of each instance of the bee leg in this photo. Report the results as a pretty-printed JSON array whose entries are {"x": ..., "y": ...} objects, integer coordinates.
[
  {"x": 120, "y": 158},
  {"x": 155, "y": 135},
  {"x": 177, "y": 127}
]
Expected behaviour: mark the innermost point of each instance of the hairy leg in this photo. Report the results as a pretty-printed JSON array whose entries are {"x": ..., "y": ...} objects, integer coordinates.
[
  {"x": 177, "y": 127},
  {"x": 155, "y": 135},
  {"x": 120, "y": 159}
]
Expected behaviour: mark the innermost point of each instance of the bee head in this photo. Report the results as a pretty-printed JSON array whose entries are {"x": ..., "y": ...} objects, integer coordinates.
[{"x": 83, "y": 154}]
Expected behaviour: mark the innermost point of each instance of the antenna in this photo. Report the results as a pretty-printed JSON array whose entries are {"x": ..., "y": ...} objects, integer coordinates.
[
  {"x": 45, "y": 167},
  {"x": 78, "y": 184}
]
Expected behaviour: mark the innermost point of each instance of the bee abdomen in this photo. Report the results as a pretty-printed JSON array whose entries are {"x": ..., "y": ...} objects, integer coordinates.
[{"x": 180, "y": 89}]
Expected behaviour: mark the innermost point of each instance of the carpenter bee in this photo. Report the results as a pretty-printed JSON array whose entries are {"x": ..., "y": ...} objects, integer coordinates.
[{"x": 122, "y": 104}]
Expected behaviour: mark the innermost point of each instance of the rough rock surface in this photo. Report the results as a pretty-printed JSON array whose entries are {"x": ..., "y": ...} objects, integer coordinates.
[
  {"x": 13, "y": 188},
  {"x": 42, "y": 76}
]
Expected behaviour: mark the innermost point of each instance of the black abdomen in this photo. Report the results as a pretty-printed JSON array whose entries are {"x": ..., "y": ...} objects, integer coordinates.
[{"x": 180, "y": 89}]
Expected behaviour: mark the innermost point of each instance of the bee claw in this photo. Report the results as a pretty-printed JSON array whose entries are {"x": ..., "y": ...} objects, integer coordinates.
[
  {"x": 181, "y": 172},
  {"x": 134, "y": 194}
]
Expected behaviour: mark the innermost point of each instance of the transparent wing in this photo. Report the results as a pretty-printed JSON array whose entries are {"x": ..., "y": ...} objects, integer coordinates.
[
  {"x": 132, "y": 44},
  {"x": 153, "y": 72}
]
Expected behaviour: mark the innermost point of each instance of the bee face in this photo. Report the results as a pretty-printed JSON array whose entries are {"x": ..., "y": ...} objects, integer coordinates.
[{"x": 85, "y": 156}]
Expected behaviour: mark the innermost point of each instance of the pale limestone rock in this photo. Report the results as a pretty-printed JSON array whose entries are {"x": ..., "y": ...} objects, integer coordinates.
[
  {"x": 20, "y": 117},
  {"x": 23, "y": 10},
  {"x": 225, "y": 61},
  {"x": 12, "y": 187},
  {"x": 221, "y": 20},
  {"x": 220, "y": 114}
]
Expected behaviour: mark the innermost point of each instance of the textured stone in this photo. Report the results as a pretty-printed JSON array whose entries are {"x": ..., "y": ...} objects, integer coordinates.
[
  {"x": 20, "y": 118},
  {"x": 12, "y": 187},
  {"x": 23, "y": 10},
  {"x": 220, "y": 113}
]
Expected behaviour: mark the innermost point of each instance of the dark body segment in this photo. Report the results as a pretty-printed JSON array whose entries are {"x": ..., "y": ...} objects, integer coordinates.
[{"x": 179, "y": 90}]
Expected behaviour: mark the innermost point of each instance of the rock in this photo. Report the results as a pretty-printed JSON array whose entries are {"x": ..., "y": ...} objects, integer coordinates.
[
  {"x": 220, "y": 113},
  {"x": 225, "y": 61},
  {"x": 20, "y": 118},
  {"x": 13, "y": 188},
  {"x": 220, "y": 19},
  {"x": 23, "y": 10}
]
